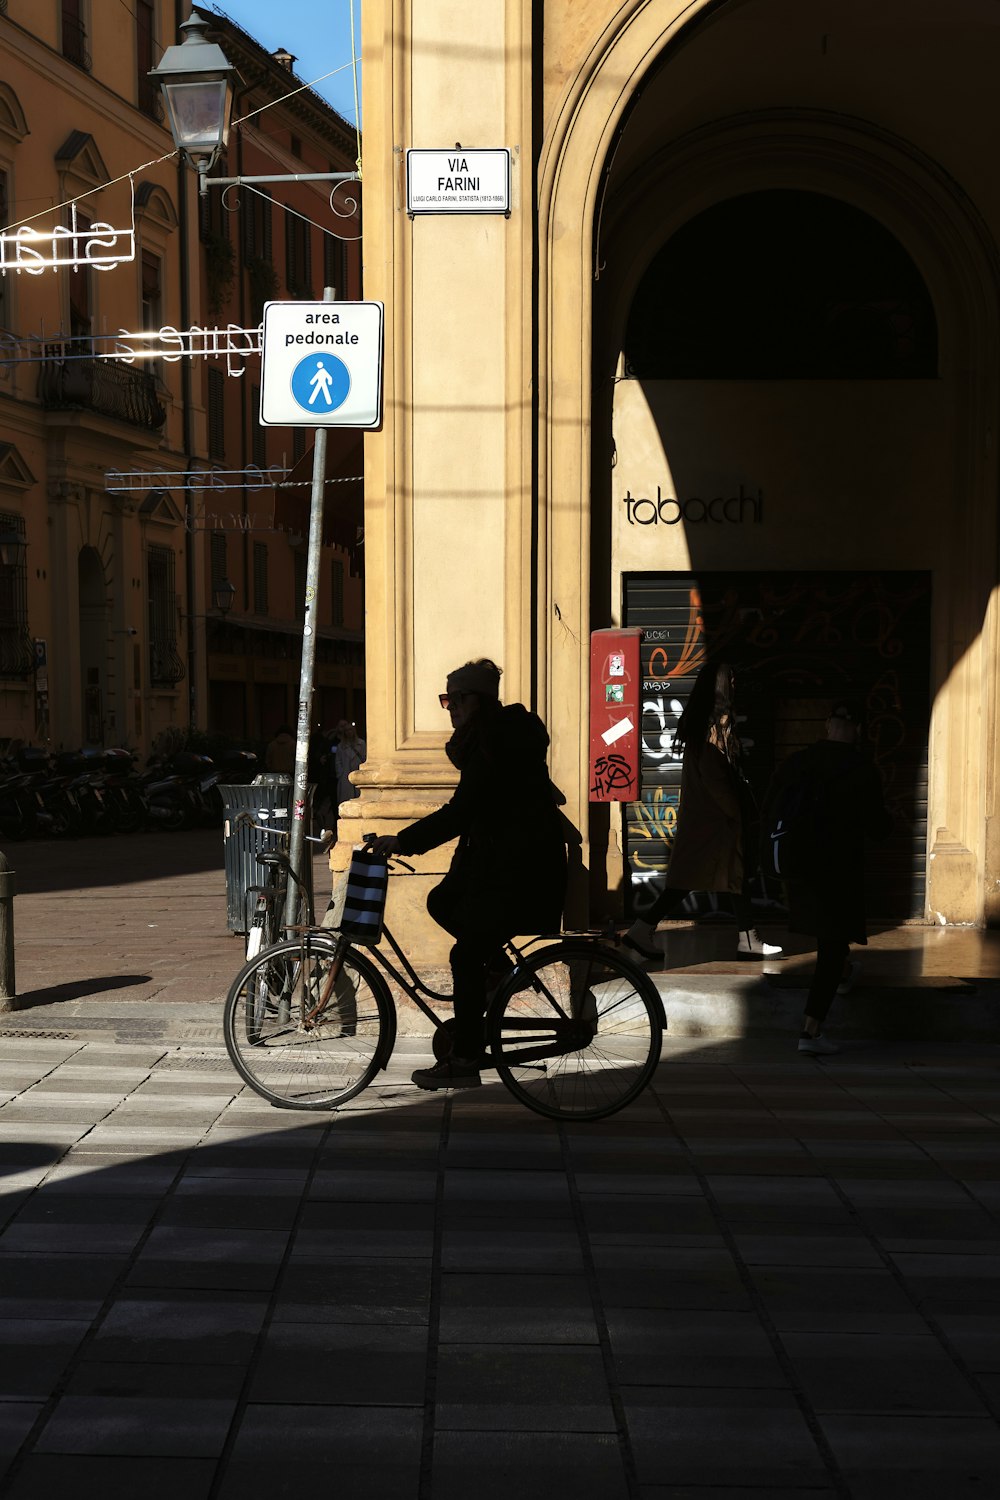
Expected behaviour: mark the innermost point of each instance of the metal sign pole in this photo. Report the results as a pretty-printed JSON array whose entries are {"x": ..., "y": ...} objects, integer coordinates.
[{"x": 300, "y": 786}]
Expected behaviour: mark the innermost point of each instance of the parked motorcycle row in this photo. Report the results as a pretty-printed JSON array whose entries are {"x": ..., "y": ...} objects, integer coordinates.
[{"x": 83, "y": 792}]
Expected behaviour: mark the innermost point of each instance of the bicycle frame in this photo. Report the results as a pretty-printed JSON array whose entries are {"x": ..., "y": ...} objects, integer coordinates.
[{"x": 410, "y": 982}]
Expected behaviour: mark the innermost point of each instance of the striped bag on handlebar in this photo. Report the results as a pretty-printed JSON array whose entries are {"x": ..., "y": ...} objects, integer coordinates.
[{"x": 364, "y": 899}]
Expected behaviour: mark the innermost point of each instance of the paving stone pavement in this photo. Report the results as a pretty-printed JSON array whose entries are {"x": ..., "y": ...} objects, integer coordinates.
[{"x": 771, "y": 1276}]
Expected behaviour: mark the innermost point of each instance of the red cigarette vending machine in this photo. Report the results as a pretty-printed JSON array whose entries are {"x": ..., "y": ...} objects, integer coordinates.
[{"x": 615, "y": 715}]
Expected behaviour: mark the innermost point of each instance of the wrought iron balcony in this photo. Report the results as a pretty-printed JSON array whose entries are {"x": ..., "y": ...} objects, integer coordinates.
[
  {"x": 107, "y": 386},
  {"x": 17, "y": 651},
  {"x": 166, "y": 668}
]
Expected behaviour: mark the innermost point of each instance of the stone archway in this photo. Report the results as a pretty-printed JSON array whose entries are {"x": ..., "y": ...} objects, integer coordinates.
[{"x": 921, "y": 205}]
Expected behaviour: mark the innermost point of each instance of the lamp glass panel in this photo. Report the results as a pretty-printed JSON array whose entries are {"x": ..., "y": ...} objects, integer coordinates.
[{"x": 198, "y": 113}]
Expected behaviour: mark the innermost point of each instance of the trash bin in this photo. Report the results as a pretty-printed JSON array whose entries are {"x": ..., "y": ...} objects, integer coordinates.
[{"x": 266, "y": 801}]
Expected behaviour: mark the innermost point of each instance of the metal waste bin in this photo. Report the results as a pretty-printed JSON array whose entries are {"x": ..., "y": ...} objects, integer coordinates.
[{"x": 267, "y": 801}]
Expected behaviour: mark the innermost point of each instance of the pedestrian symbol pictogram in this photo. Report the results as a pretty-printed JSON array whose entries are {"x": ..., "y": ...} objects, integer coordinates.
[{"x": 321, "y": 382}]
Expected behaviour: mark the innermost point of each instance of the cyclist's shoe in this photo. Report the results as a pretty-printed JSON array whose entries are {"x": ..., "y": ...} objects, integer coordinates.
[{"x": 452, "y": 1073}]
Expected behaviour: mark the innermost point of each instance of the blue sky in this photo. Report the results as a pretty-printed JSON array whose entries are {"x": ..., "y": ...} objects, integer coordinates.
[{"x": 318, "y": 32}]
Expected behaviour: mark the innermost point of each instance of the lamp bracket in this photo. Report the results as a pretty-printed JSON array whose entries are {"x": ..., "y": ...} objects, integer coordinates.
[{"x": 205, "y": 182}]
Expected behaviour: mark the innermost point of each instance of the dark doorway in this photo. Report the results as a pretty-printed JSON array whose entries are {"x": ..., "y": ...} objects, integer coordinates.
[{"x": 797, "y": 640}]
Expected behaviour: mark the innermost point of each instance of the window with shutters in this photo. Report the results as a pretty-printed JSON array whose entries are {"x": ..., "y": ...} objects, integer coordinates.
[
  {"x": 81, "y": 292},
  {"x": 17, "y": 654},
  {"x": 298, "y": 269},
  {"x": 260, "y": 578},
  {"x": 258, "y": 434},
  {"x": 216, "y": 414},
  {"x": 256, "y": 207},
  {"x": 213, "y": 219},
  {"x": 337, "y": 591},
  {"x": 147, "y": 92},
  {"x": 300, "y": 584},
  {"x": 165, "y": 665},
  {"x": 74, "y": 34},
  {"x": 5, "y": 309},
  {"x": 257, "y": 252},
  {"x": 335, "y": 264},
  {"x": 219, "y": 560},
  {"x": 152, "y": 300}
]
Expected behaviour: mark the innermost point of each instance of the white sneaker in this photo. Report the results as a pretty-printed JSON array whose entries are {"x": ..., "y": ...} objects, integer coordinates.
[
  {"x": 850, "y": 979},
  {"x": 818, "y": 1045},
  {"x": 641, "y": 938},
  {"x": 752, "y": 945}
]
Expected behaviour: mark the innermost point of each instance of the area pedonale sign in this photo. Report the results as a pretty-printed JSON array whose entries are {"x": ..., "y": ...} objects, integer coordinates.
[{"x": 321, "y": 364}]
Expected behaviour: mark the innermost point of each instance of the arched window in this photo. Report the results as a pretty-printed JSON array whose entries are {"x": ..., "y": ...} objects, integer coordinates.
[{"x": 782, "y": 285}]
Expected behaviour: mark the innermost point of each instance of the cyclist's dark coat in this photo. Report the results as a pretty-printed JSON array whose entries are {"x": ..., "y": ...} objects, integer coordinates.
[{"x": 511, "y": 857}]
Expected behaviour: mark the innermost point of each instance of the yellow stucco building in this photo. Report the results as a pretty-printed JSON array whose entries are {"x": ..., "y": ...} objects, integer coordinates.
[
  {"x": 131, "y": 490},
  {"x": 728, "y": 373}
]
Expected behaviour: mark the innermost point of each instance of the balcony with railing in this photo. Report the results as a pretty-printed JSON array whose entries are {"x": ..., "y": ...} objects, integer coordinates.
[{"x": 108, "y": 387}]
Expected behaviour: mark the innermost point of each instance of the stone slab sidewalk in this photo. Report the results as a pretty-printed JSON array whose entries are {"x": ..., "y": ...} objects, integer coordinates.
[{"x": 770, "y": 1277}]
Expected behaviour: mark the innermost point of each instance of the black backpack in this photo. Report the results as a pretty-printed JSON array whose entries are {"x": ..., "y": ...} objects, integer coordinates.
[{"x": 796, "y": 830}]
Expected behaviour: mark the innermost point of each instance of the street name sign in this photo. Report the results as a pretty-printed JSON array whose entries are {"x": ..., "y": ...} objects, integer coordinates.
[
  {"x": 458, "y": 181},
  {"x": 321, "y": 364}
]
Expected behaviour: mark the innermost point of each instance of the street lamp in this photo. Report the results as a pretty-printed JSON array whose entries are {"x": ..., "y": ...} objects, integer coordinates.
[
  {"x": 13, "y": 549},
  {"x": 197, "y": 83},
  {"x": 223, "y": 595}
]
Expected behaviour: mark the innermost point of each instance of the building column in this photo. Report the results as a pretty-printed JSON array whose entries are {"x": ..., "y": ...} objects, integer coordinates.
[{"x": 448, "y": 477}]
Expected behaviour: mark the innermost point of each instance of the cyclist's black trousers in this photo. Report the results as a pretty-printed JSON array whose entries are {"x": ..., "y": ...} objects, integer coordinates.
[{"x": 479, "y": 934}]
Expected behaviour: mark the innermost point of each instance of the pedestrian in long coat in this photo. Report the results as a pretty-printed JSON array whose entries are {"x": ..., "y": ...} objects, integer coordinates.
[
  {"x": 508, "y": 872},
  {"x": 713, "y": 847}
]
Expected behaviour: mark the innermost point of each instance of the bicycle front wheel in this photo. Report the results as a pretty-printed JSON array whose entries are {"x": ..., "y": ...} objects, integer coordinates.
[
  {"x": 575, "y": 1032},
  {"x": 301, "y": 1037}
]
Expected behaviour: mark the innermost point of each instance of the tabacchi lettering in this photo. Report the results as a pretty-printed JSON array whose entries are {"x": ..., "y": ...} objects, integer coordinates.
[{"x": 667, "y": 510}]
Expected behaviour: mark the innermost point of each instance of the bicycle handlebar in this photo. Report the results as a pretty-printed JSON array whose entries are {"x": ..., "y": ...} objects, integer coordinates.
[{"x": 391, "y": 859}]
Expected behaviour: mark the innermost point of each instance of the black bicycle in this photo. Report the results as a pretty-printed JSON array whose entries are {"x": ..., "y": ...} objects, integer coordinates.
[{"x": 573, "y": 1028}]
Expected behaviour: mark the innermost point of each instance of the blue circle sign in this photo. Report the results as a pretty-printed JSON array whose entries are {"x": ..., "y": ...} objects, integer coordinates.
[{"x": 320, "y": 383}]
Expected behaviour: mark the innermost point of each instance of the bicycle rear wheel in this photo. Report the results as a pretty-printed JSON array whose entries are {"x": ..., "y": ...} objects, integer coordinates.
[
  {"x": 575, "y": 1032},
  {"x": 300, "y": 1038}
]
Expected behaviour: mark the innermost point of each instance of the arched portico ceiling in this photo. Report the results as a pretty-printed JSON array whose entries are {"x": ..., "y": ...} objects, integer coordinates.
[{"x": 851, "y": 160}]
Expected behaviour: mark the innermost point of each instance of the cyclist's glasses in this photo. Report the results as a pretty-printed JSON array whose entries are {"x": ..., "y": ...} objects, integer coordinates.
[{"x": 447, "y": 699}]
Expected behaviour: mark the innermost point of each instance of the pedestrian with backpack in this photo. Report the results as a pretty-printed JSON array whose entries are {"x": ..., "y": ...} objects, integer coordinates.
[{"x": 821, "y": 807}]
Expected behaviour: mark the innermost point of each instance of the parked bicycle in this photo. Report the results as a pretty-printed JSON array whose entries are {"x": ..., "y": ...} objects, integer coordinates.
[
  {"x": 573, "y": 1028},
  {"x": 266, "y": 923}
]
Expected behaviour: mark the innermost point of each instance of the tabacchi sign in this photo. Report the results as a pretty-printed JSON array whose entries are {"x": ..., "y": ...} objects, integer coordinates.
[{"x": 666, "y": 510}]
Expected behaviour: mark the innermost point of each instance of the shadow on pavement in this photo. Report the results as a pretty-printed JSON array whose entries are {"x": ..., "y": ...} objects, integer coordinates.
[{"x": 77, "y": 989}]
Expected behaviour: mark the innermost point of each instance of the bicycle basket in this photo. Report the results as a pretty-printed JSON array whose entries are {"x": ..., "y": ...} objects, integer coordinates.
[{"x": 364, "y": 899}]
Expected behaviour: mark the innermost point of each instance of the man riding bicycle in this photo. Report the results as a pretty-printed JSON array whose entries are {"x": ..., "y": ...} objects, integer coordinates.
[{"x": 508, "y": 874}]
